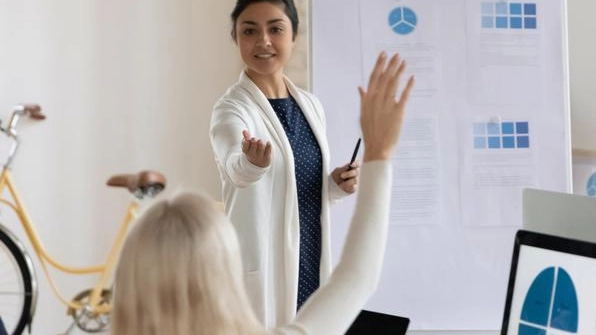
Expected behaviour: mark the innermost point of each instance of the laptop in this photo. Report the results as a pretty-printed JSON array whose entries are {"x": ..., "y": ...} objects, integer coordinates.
[
  {"x": 562, "y": 214},
  {"x": 375, "y": 323},
  {"x": 2, "y": 329},
  {"x": 552, "y": 286}
]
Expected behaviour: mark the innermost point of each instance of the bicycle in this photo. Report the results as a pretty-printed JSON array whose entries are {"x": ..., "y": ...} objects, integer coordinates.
[{"x": 90, "y": 309}]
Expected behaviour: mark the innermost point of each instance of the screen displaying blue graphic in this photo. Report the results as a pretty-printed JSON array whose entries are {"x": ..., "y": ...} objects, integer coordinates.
[
  {"x": 513, "y": 15},
  {"x": 591, "y": 185},
  {"x": 402, "y": 20},
  {"x": 501, "y": 135},
  {"x": 551, "y": 303}
]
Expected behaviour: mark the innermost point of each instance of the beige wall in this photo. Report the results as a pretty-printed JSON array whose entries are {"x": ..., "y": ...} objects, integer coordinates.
[
  {"x": 582, "y": 73},
  {"x": 298, "y": 69}
]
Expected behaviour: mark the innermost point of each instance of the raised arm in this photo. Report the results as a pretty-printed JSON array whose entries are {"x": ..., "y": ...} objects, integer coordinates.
[{"x": 333, "y": 307}]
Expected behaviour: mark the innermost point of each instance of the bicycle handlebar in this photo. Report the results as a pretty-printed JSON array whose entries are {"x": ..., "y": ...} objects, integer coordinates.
[{"x": 33, "y": 111}]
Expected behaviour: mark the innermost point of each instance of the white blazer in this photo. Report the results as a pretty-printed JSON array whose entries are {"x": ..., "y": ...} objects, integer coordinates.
[{"x": 262, "y": 203}]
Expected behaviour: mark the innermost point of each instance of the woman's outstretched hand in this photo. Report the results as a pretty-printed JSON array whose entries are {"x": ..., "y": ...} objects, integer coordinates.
[
  {"x": 257, "y": 152},
  {"x": 381, "y": 114}
]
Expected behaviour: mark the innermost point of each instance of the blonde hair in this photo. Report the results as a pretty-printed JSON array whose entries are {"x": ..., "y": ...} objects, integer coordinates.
[{"x": 180, "y": 273}]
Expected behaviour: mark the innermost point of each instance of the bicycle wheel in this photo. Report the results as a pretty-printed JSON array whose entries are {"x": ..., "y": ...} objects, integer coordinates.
[{"x": 18, "y": 287}]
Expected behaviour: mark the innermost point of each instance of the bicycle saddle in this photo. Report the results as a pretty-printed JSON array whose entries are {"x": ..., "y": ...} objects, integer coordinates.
[{"x": 140, "y": 184}]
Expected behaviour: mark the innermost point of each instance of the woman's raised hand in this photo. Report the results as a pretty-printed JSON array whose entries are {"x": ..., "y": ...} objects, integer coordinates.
[
  {"x": 381, "y": 114},
  {"x": 257, "y": 152}
]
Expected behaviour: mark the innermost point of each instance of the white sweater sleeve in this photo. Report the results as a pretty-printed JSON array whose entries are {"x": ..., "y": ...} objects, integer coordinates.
[
  {"x": 335, "y": 192},
  {"x": 334, "y": 306},
  {"x": 226, "y": 138}
]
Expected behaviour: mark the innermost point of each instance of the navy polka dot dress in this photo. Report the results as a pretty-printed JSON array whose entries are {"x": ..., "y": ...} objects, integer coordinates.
[{"x": 308, "y": 164}]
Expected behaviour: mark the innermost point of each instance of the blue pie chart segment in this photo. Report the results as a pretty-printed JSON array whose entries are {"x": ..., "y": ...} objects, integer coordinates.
[
  {"x": 402, "y": 20},
  {"x": 591, "y": 186},
  {"x": 537, "y": 303},
  {"x": 565, "y": 309},
  {"x": 529, "y": 330},
  {"x": 551, "y": 303}
]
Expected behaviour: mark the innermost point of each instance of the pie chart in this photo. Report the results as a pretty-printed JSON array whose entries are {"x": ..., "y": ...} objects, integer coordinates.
[
  {"x": 402, "y": 20},
  {"x": 550, "y": 304}
]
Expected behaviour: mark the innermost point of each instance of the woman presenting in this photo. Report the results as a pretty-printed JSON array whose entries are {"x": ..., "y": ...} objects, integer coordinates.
[{"x": 270, "y": 146}]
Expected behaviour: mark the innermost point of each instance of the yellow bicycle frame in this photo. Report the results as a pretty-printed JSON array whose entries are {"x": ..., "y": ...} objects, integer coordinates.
[{"x": 104, "y": 270}]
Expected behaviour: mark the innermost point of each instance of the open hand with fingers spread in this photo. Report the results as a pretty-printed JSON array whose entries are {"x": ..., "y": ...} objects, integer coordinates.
[
  {"x": 381, "y": 113},
  {"x": 257, "y": 152}
]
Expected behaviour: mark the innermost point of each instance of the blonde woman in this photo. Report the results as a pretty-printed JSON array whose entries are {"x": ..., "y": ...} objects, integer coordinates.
[{"x": 180, "y": 272}]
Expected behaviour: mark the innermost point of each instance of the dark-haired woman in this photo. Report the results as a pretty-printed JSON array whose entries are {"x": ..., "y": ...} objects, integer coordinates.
[{"x": 270, "y": 145}]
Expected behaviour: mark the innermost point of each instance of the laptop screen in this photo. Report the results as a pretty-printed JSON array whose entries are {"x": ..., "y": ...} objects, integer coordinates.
[{"x": 552, "y": 286}]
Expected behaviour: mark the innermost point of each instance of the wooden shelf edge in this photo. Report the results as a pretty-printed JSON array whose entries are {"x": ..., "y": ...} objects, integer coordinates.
[{"x": 577, "y": 152}]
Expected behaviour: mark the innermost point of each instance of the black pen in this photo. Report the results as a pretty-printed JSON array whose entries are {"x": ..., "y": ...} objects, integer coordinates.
[{"x": 354, "y": 154}]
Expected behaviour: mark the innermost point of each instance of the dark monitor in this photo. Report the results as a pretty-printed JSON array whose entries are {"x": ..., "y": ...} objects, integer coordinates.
[
  {"x": 375, "y": 323},
  {"x": 552, "y": 286},
  {"x": 2, "y": 329}
]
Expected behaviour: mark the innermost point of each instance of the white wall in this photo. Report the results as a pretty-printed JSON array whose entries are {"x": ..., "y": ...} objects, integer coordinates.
[{"x": 126, "y": 85}]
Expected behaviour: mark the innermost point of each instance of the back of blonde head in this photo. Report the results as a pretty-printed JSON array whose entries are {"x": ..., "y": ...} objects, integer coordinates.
[{"x": 180, "y": 273}]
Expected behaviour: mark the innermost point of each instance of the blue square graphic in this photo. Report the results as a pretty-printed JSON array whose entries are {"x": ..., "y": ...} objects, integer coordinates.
[
  {"x": 479, "y": 142},
  {"x": 488, "y": 8},
  {"x": 515, "y": 8},
  {"x": 501, "y": 8},
  {"x": 530, "y": 22},
  {"x": 494, "y": 142},
  {"x": 508, "y": 142},
  {"x": 479, "y": 128},
  {"x": 493, "y": 128},
  {"x": 530, "y": 8},
  {"x": 521, "y": 128},
  {"x": 507, "y": 128},
  {"x": 523, "y": 141},
  {"x": 487, "y": 22},
  {"x": 515, "y": 22},
  {"x": 501, "y": 22}
]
